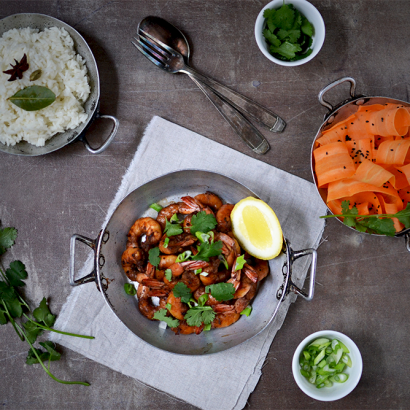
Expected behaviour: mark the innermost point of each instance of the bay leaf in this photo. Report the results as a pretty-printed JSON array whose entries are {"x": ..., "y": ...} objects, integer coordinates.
[{"x": 33, "y": 98}]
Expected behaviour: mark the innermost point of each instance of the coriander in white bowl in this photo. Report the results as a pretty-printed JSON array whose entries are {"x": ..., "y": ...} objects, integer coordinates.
[{"x": 289, "y": 32}]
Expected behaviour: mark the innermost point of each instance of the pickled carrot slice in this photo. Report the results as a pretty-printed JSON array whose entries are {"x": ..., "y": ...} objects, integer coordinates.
[
  {"x": 349, "y": 187},
  {"x": 332, "y": 162},
  {"x": 371, "y": 173},
  {"x": 392, "y": 152}
]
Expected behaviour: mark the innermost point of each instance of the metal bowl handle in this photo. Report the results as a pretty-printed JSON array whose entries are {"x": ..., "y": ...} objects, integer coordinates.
[
  {"x": 90, "y": 277},
  {"x": 292, "y": 287},
  {"x": 108, "y": 140},
  {"x": 326, "y": 104}
]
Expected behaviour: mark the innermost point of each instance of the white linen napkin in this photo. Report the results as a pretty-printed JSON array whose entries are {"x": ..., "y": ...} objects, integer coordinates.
[{"x": 86, "y": 311}]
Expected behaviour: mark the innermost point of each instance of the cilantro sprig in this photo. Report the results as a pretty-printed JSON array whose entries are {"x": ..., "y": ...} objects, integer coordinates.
[
  {"x": 381, "y": 224},
  {"x": 207, "y": 250},
  {"x": 199, "y": 314},
  {"x": 173, "y": 226},
  {"x": 288, "y": 33},
  {"x": 169, "y": 320},
  {"x": 13, "y": 308},
  {"x": 221, "y": 291},
  {"x": 202, "y": 222}
]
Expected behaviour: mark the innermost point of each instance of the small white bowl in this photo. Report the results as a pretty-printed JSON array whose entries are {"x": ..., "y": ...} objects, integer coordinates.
[
  {"x": 310, "y": 12},
  {"x": 338, "y": 390}
]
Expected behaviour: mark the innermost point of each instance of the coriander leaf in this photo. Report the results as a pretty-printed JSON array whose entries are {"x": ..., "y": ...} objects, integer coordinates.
[
  {"x": 284, "y": 17},
  {"x": 269, "y": 14},
  {"x": 3, "y": 318},
  {"x": 286, "y": 49},
  {"x": 307, "y": 27},
  {"x": 16, "y": 272},
  {"x": 404, "y": 216},
  {"x": 298, "y": 20},
  {"x": 130, "y": 289},
  {"x": 172, "y": 229},
  {"x": 290, "y": 35},
  {"x": 271, "y": 38},
  {"x": 382, "y": 226},
  {"x": 32, "y": 331},
  {"x": 208, "y": 315},
  {"x": 202, "y": 222},
  {"x": 14, "y": 307},
  {"x": 162, "y": 315},
  {"x": 7, "y": 292},
  {"x": 206, "y": 250},
  {"x": 221, "y": 291},
  {"x": 153, "y": 256},
  {"x": 32, "y": 359},
  {"x": 50, "y": 347},
  {"x": 174, "y": 218},
  {"x": 7, "y": 238},
  {"x": 182, "y": 291},
  {"x": 247, "y": 311},
  {"x": 43, "y": 314},
  {"x": 240, "y": 262},
  {"x": 51, "y": 354},
  {"x": 168, "y": 274},
  {"x": 198, "y": 315}
]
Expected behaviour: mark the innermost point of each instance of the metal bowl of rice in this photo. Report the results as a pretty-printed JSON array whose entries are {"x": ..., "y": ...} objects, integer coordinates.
[{"x": 67, "y": 125}]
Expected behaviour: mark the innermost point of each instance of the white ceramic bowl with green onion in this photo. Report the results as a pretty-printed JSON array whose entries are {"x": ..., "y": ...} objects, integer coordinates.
[{"x": 336, "y": 386}]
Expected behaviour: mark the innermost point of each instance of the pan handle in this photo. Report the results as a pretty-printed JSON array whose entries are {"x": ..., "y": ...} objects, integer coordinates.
[
  {"x": 326, "y": 104},
  {"x": 292, "y": 287},
  {"x": 92, "y": 277},
  {"x": 108, "y": 140}
]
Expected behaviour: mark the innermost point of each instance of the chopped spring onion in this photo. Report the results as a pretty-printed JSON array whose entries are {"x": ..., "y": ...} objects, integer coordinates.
[
  {"x": 182, "y": 257},
  {"x": 156, "y": 207},
  {"x": 247, "y": 311},
  {"x": 322, "y": 362},
  {"x": 166, "y": 242}
]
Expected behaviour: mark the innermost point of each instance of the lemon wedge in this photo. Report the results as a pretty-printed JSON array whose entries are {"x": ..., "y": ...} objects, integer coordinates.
[{"x": 257, "y": 228}]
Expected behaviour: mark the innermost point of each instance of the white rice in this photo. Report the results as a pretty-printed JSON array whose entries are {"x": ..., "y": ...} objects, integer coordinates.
[{"x": 63, "y": 72}]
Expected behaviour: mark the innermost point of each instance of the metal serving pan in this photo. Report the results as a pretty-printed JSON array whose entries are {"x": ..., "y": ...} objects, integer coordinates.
[
  {"x": 110, "y": 277},
  {"x": 41, "y": 22},
  {"x": 340, "y": 112}
]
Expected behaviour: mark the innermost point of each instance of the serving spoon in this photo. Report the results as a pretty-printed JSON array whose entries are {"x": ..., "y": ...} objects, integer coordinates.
[{"x": 166, "y": 47}]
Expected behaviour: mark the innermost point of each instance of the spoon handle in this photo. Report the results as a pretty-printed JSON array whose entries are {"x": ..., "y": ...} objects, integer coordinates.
[
  {"x": 251, "y": 135},
  {"x": 239, "y": 101}
]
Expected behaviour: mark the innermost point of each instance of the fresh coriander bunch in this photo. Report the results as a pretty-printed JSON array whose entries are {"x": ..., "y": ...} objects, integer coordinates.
[
  {"x": 14, "y": 309},
  {"x": 381, "y": 224},
  {"x": 288, "y": 33}
]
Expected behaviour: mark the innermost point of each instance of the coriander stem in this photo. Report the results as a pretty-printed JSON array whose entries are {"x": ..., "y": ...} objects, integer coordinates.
[
  {"x": 57, "y": 331},
  {"x": 45, "y": 368},
  {"x": 12, "y": 321},
  {"x": 4, "y": 276}
]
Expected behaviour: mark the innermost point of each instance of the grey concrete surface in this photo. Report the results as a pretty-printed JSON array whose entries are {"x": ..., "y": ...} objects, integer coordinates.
[{"x": 363, "y": 282}]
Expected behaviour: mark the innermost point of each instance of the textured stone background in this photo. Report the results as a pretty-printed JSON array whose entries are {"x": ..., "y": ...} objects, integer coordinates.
[{"x": 363, "y": 281}]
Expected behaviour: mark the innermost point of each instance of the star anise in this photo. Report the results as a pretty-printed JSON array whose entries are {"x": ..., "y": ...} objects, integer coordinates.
[{"x": 18, "y": 69}]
